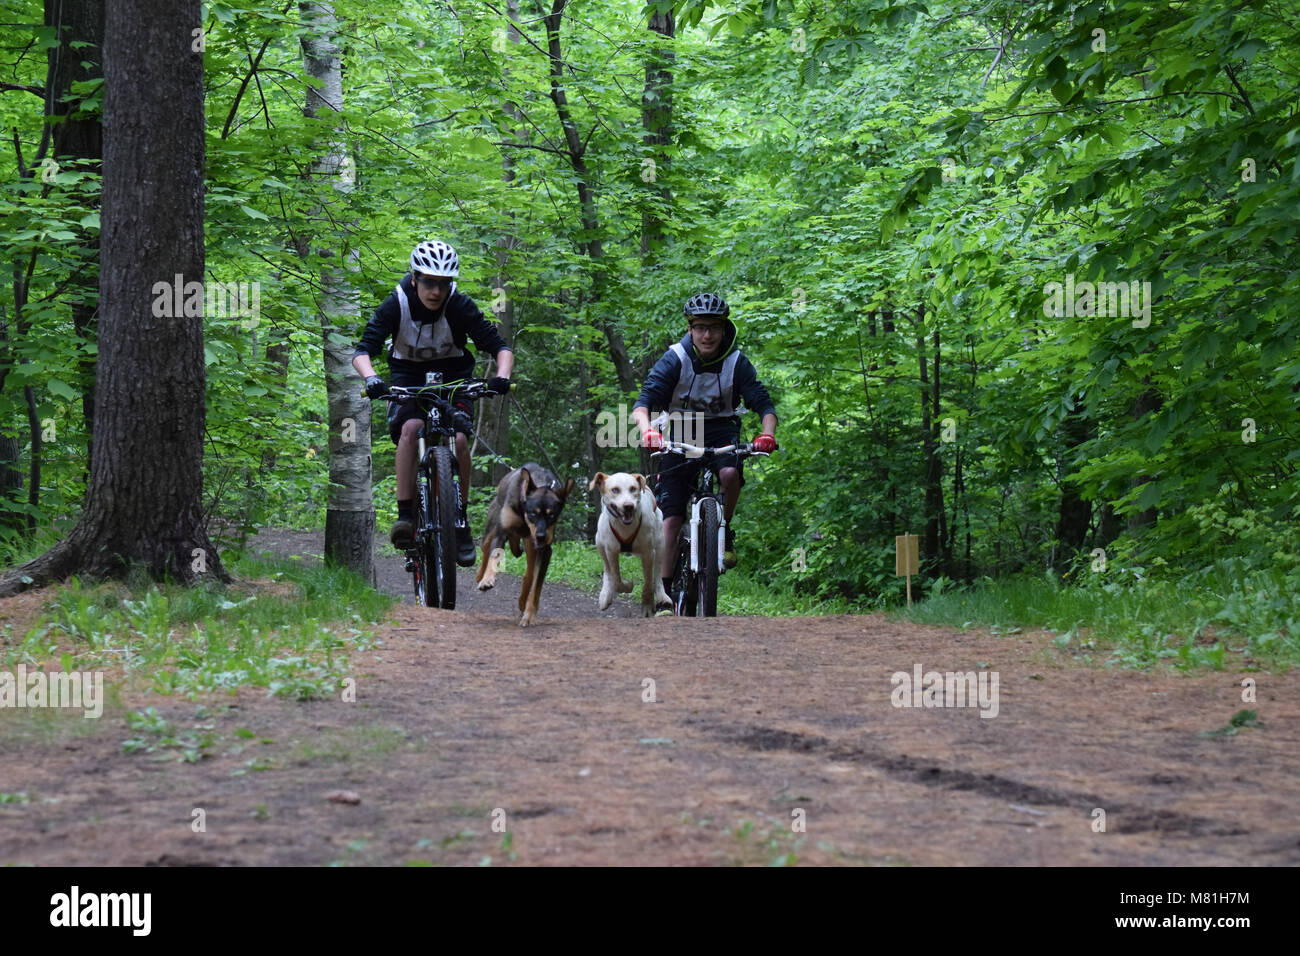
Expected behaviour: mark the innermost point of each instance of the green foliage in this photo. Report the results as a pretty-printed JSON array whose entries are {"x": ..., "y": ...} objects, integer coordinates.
[
  {"x": 1242, "y": 718},
  {"x": 885, "y": 191},
  {"x": 190, "y": 640},
  {"x": 740, "y": 590},
  {"x": 1192, "y": 621}
]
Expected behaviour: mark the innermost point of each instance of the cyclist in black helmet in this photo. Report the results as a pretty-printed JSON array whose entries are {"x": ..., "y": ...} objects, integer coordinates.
[
  {"x": 705, "y": 372},
  {"x": 429, "y": 322}
]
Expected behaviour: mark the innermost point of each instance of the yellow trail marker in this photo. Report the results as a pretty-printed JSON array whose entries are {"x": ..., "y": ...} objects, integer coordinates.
[{"x": 905, "y": 559}]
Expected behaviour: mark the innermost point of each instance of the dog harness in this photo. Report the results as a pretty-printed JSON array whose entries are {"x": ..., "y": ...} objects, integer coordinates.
[
  {"x": 625, "y": 545},
  {"x": 708, "y": 392},
  {"x": 423, "y": 341}
]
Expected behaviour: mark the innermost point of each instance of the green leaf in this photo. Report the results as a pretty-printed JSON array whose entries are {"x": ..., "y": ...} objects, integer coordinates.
[{"x": 62, "y": 389}]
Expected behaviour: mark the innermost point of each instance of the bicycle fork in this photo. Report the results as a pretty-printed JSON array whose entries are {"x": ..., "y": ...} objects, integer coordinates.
[{"x": 694, "y": 525}]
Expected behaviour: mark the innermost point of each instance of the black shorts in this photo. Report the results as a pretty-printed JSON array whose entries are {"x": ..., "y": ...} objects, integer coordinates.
[
  {"x": 676, "y": 480},
  {"x": 399, "y": 413}
]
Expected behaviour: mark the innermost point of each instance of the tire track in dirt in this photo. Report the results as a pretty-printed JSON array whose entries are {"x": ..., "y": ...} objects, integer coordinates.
[{"x": 1131, "y": 818}]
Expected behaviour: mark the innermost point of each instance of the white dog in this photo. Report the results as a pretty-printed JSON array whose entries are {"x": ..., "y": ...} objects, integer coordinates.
[{"x": 630, "y": 523}]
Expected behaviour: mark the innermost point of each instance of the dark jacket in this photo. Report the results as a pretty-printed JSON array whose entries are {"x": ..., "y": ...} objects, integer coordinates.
[
  {"x": 657, "y": 392},
  {"x": 464, "y": 320}
]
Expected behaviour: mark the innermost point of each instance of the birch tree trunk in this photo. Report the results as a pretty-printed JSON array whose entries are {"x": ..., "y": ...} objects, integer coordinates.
[
  {"x": 350, "y": 513},
  {"x": 657, "y": 121}
]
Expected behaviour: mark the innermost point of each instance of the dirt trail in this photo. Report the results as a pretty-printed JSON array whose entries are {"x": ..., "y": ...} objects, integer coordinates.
[{"x": 462, "y": 720}]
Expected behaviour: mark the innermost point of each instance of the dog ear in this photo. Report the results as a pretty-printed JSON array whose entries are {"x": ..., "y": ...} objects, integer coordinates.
[
  {"x": 525, "y": 482},
  {"x": 564, "y": 492},
  {"x": 640, "y": 481},
  {"x": 598, "y": 483}
]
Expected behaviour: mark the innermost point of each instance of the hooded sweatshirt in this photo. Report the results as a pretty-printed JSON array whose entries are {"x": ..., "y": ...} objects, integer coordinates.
[{"x": 682, "y": 383}]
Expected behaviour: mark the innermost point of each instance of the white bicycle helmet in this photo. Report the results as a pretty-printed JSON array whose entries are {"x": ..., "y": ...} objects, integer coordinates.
[{"x": 435, "y": 258}]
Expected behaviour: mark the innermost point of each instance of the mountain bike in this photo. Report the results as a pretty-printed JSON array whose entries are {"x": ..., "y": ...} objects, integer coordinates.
[
  {"x": 697, "y": 563},
  {"x": 438, "y": 495}
]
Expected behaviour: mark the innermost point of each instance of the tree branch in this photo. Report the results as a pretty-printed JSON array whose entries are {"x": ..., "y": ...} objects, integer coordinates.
[
  {"x": 544, "y": 149},
  {"x": 22, "y": 88},
  {"x": 252, "y": 69}
]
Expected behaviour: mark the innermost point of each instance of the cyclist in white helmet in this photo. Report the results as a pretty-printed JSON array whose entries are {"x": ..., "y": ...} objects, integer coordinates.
[{"x": 429, "y": 322}]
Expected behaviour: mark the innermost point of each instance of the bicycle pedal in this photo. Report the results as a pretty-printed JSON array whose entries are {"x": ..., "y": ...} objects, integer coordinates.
[{"x": 410, "y": 565}]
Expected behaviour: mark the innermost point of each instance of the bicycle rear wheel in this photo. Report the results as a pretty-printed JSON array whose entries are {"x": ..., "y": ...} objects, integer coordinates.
[
  {"x": 708, "y": 573},
  {"x": 444, "y": 538},
  {"x": 424, "y": 568}
]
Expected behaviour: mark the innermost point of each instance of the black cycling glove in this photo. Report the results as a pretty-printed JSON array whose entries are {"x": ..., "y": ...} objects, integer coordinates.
[
  {"x": 375, "y": 387},
  {"x": 499, "y": 385},
  {"x": 461, "y": 421}
]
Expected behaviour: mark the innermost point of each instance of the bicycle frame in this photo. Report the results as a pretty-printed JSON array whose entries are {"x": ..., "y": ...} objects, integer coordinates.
[
  {"x": 696, "y": 547},
  {"x": 433, "y": 427},
  {"x": 432, "y": 558}
]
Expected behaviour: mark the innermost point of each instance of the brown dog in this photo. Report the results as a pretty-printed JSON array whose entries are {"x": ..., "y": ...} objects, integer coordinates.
[{"x": 525, "y": 512}]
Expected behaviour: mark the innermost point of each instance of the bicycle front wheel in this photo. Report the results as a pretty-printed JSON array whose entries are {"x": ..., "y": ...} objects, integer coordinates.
[
  {"x": 708, "y": 575},
  {"x": 424, "y": 567},
  {"x": 684, "y": 582},
  {"x": 444, "y": 538}
]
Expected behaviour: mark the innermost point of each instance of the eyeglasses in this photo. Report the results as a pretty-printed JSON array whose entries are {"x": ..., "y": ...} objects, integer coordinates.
[
  {"x": 706, "y": 328},
  {"x": 433, "y": 282}
]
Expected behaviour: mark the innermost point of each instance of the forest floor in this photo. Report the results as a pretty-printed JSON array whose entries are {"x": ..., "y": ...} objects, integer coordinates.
[{"x": 474, "y": 741}]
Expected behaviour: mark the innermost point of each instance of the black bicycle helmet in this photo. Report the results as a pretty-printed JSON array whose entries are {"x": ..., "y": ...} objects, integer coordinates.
[{"x": 706, "y": 303}]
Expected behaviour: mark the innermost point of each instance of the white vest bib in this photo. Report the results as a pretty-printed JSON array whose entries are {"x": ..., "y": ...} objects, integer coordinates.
[
  {"x": 418, "y": 342},
  {"x": 708, "y": 392}
]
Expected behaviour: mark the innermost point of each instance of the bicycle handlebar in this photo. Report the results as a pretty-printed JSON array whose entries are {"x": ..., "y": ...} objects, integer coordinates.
[
  {"x": 742, "y": 449},
  {"x": 473, "y": 388}
]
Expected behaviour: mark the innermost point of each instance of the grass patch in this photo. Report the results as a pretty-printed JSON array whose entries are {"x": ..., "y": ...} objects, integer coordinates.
[
  {"x": 578, "y": 564},
  {"x": 287, "y": 632},
  {"x": 344, "y": 745},
  {"x": 1242, "y": 718},
  {"x": 1193, "y": 622},
  {"x": 39, "y": 727}
]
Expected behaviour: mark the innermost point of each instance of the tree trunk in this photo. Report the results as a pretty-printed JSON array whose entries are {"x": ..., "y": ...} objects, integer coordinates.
[
  {"x": 1145, "y": 405},
  {"x": 594, "y": 452},
  {"x": 64, "y": 137},
  {"x": 932, "y": 558},
  {"x": 350, "y": 513},
  {"x": 143, "y": 504},
  {"x": 1075, "y": 512},
  {"x": 656, "y": 120},
  {"x": 576, "y": 148},
  {"x": 78, "y": 138},
  {"x": 494, "y": 416},
  {"x": 278, "y": 352},
  {"x": 11, "y": 478}
]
